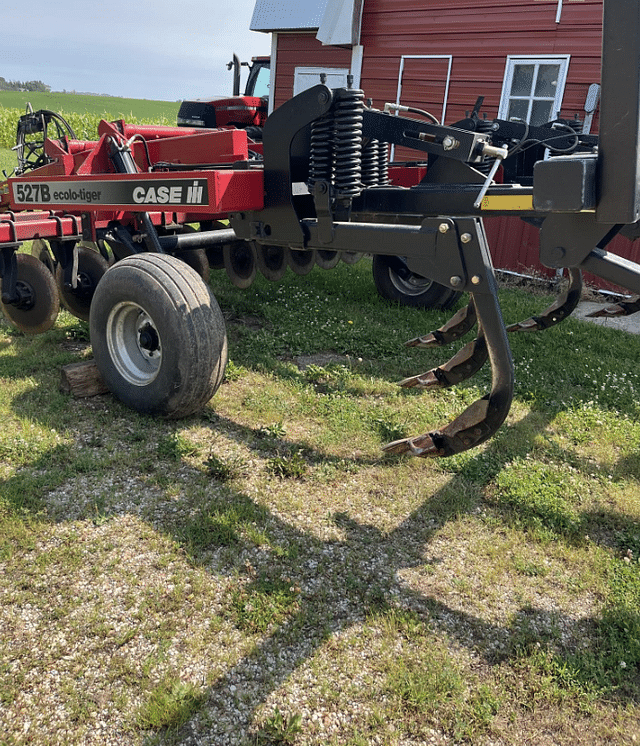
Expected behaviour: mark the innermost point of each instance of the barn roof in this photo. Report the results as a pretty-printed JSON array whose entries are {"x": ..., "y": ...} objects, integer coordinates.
[
  {"x": 337, "y": 21},
  {"x": 287, "y": 15}
]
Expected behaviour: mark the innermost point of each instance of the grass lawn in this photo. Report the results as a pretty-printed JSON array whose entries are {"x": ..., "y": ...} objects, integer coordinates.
[{"x": 262, "y": 573}]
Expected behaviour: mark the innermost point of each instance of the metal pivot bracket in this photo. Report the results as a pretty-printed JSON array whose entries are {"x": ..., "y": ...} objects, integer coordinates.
[{"x": 322, "y": 200}]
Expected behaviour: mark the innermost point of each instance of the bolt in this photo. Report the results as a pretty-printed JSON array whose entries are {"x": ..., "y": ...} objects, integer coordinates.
[
  {"x": 466, "y": 237},
  {"x": 455, "y": 281},
  {"x": 443, "y": 227},
  {"x": 476, "y": 279},
  {"x": 449, "y": 143}
]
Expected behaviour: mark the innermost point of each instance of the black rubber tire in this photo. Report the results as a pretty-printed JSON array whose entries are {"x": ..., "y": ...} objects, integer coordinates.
[
  {"x": 301, "y": 261},
  {"x": 91, "y": 268},
  {"x": 272, "y": 262},
  {"x": 415, "y": 291},
  {"x": 36, "y": 281},
  {"x": 240, "y": 263},
  {"x": 158, "y": 335}
]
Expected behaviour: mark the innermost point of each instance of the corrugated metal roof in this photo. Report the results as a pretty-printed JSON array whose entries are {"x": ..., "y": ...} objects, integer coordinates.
[{"x": 287, "y": 15}]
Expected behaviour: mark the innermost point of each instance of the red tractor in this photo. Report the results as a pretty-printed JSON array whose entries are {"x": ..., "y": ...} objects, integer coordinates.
[{"x": 244, "y": 111}]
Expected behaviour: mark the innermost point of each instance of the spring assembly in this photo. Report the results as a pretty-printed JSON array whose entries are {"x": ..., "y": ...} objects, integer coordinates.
[
  {"x": 347, "y": 144},
  {"x": 383, "y": 164},
  {"x": 321, "y": 151},
  {"x": 370, "y": 163}
]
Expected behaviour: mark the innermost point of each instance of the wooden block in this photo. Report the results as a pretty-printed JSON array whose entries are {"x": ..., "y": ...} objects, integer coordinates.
[{"x": 82, "y": 379}]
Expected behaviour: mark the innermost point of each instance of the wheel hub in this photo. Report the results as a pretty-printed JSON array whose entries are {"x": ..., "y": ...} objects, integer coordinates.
[
  {"x": 134, "y": 343},
  {"x": 148, "y": 338}
]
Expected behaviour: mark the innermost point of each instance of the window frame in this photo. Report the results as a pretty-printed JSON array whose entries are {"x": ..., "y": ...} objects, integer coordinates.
[{"x": 540, "y": 59}]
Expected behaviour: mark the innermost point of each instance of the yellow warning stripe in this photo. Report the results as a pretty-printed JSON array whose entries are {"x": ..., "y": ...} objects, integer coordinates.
[{"x": 507, "y": 202}]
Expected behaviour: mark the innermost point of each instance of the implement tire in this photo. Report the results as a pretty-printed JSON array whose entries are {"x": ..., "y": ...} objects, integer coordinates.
[
  {"x": 395, "y": 282},
  {"x": 158, "y": 335}
]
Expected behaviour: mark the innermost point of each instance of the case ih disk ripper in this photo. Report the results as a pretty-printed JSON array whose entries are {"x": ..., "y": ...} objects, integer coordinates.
[{"x": 316, "y": 188}]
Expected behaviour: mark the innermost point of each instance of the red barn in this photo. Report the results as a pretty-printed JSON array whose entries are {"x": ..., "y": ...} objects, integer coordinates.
[{"x": 530, "y": 59}]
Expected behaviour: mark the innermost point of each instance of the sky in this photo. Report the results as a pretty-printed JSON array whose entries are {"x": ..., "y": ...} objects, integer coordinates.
[{"x": 154, "y": 49}]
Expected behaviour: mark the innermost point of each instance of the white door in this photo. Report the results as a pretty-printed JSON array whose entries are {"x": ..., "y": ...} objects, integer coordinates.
[{"x": 307, "y": 77}]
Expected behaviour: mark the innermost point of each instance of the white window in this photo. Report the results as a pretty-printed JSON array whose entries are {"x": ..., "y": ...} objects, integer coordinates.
[
  {"x": 307, "y": 77},
  {"x": 533, "y": 88}
]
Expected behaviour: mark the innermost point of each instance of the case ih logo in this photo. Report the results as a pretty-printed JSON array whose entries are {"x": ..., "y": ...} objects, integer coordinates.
[
  {"x": 140, "y": 192},
  {"x": 174, "y": 194}
]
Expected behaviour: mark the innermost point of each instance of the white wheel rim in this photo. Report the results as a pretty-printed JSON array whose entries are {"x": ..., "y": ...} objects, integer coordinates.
[
  {"x": 413, "y": 285},
  {"x": 134, "y": 343}
]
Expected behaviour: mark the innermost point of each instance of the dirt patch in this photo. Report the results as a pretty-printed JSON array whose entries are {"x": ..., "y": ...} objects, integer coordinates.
[
  {"x": 321, "y": 359},
  {"x": 250, "y": 322}
]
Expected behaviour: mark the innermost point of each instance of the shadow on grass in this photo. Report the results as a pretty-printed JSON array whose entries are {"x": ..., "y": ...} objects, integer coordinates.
[{"x": 347, "y": 581}]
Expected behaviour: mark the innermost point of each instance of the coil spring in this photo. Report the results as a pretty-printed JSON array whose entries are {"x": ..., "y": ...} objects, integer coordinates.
[
  {"x": 383, "y": 164},
  {"x": 371, "y": 163},
  {"x": 321, "y": 151},
  {"x": 347, "y": 144}
]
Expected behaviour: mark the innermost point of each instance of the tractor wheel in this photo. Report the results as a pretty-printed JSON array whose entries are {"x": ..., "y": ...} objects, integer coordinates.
[
  {"x": 91, "y": 267},
  {"x": 158, "y": 335},
  {"x": 37, "y": 308},
  {"x": 395, "y": 282}
]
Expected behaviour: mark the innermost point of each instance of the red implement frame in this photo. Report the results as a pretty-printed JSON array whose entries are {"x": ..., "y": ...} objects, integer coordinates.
[{"x": 180, "y": 176}]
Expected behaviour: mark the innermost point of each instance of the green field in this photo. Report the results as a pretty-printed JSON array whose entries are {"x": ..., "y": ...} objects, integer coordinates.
[
  {"x": 87, "y": 104},
  {"x": 8, "y": 160},
  {"x": 83, "y": 112}
]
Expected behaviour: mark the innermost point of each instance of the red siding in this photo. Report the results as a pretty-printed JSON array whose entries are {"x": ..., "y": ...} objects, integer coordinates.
[
  {"x": 303, "y": 50},
  {"x": 479, "y": 34}
]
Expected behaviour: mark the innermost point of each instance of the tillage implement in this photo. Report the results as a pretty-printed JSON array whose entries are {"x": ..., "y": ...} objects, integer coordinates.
[{"x": 125, "y": 228}]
